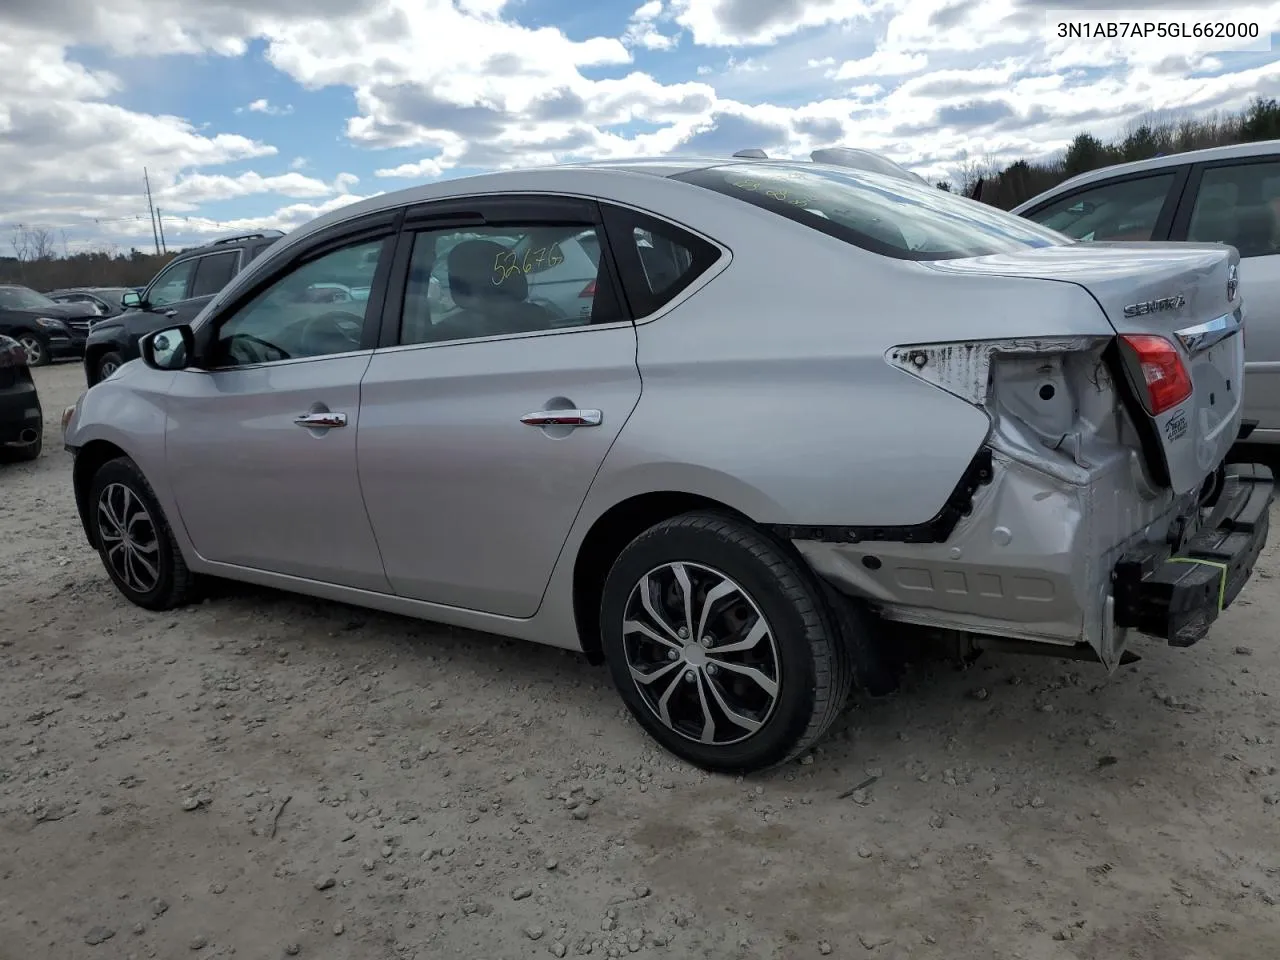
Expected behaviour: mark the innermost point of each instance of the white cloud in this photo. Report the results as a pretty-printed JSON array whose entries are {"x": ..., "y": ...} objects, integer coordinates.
[
  {"x": 726, "y": 23},
  {"x": 263, "y": 105},
  {"x": 455, "y": 85},
  {"x": 642, "y": 30},
  {"x": 882, "y": 63}
]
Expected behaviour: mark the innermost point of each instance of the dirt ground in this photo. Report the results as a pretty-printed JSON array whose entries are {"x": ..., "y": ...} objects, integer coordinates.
[{"x": 264, "y": 776}]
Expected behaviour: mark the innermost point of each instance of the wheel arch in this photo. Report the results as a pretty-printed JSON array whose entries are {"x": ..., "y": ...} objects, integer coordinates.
[
  {"x": 89, "y": 459},
  {"x": 609, "y": 536},
  {"x": 108, "y": 340}
]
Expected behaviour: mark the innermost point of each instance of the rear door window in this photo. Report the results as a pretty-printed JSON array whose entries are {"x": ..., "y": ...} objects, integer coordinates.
[
  {"x": 214, "y": 272},
  {"x": 1238, "y": 205},
  {"x": 890, "y": 216}
]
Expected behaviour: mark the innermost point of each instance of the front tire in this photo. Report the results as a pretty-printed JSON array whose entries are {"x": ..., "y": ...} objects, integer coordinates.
[
  {"x": 721, "y": 644},
  {"x": 135, "y": 540},
  {"x": 108, "y": 364}
]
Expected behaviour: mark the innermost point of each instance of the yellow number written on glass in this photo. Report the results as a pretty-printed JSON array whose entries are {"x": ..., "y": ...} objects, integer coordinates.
[{"x": 505, "y": 265}]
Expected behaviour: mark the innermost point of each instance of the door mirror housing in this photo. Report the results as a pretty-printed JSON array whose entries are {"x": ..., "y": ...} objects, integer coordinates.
[
  {"x": 131, "y": 298},
  {"x": 168, "y": 349}
]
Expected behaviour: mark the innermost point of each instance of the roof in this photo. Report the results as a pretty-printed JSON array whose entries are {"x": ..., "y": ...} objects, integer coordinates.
[
  {"x": 1232, "y": 151},
  {"x": 499, "y": 181}
]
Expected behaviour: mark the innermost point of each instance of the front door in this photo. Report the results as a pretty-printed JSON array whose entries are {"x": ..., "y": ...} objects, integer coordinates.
[
  {"x": 485, "y": 423},
  {"x": 261, "y": 443},
  {"x": 1238, "y": 202}
]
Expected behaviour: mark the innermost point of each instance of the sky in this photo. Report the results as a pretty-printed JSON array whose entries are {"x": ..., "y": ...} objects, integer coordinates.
[{"x": 250, "y": 114}]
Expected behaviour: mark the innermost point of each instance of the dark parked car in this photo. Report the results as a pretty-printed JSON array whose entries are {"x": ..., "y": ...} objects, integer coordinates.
[
  {"x": 46, "y": 330},
  {"x": 175, "y": 295},
  {"x": 21, "y": 419},
  {"x": 107, "y": 301}
]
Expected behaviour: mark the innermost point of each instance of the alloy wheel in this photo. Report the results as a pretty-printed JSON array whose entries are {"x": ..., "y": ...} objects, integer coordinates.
[
  {"x": 107, "y": 368},
  {"x": 33, "y": 348},
  {"x": 703, "y": 657},
  {"x": 128, "y": 536}
]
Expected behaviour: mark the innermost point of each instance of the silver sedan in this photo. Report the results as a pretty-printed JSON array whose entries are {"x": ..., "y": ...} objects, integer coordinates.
[{"x": 794, "y": 407}]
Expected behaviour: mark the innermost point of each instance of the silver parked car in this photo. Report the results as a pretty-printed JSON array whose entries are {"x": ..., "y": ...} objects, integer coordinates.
[
  {"x": 1225, "y": 195},
  {"x": 806, "y": 403}
]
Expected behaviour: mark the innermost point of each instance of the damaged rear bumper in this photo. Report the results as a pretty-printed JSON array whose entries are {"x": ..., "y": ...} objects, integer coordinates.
[{"x": 1178, "y": 596}]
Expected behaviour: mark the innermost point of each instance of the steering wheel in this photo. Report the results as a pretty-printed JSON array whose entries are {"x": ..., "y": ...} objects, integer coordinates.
[
  {"x": 267, "y": 353},
  {"x": 333, "y": 332}
]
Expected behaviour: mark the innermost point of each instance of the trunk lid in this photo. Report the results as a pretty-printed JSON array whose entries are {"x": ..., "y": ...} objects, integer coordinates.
[{"x": 1186, "y": 293}]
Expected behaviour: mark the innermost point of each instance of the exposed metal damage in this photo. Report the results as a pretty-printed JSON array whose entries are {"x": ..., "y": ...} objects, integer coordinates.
[{"x": 1030, "y": 558}]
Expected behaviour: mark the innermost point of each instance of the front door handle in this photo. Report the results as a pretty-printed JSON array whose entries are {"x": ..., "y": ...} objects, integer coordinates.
[
  {"x": 321, "y": 421},
  {"x": 169, "y": 313},
  {"x": 563, "y": 418}
]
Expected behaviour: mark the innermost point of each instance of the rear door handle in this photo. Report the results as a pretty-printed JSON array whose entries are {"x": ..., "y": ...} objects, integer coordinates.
[
  {"x": 321, "y": 421},
  {"x": 563, "y": 418}
]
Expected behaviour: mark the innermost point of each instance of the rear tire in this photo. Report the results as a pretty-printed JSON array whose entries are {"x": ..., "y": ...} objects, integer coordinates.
[
  {"x": 134, "y": 538},
  {"x": 770, "y": 671}
]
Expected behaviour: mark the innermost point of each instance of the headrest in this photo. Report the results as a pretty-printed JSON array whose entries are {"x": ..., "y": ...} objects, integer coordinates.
[{"x": 483, "y": 271}]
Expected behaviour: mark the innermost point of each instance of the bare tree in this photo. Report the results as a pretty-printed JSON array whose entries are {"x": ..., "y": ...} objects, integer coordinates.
[
  {"x": 969, "y": 172},
  {"x": 43, "y": 246},
  {"x": 21, "y": 242}
]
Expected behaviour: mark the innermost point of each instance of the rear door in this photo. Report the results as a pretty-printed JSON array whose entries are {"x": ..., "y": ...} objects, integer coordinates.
[
  {"x": 485, "y": 416},
  {"x": 1237, "y": 202}
]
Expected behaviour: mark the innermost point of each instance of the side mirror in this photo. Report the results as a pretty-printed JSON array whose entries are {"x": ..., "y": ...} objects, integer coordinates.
[
  {"x": 131, "y": 298},
  {"x": 168, "y": 349}
]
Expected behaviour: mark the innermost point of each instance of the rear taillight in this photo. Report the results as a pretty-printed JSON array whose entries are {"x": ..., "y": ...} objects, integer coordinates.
[
  {"x": 1164, "y": 374},
  {"x": 589, "y": 290}
]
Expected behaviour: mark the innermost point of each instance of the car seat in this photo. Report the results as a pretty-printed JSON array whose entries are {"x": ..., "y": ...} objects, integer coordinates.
[{"x": 487, "y": 284}]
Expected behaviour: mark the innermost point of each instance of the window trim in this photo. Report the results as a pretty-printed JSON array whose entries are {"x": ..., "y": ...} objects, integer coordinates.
[
  {"x": 1186, "y": 206},
  {"x": 493, "y": 209},
  {"x": 382, "y": 225},
  {"x": 1164, "y": 219}
]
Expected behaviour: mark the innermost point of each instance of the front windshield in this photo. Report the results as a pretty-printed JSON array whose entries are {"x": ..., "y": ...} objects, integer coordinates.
[
  {"x": 886, "y": 215},
  {"x": 24, "y": 298}
]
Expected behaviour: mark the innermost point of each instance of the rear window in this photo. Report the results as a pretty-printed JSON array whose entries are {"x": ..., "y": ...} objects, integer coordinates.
[{"x": 886, "y": 215}]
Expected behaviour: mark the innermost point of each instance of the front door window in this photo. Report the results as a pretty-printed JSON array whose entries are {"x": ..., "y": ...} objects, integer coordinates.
[{"x": 1121, "y": 210}]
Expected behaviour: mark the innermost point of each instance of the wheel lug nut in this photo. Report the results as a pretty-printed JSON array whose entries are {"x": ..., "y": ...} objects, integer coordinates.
[
  {"x": 689, "y": 676},
  {"x": 707, "y": 642},
  {"x": 712, "y": 669},
  {"x": 672, "y": 655},
  {"x": 683, "y": 633}
]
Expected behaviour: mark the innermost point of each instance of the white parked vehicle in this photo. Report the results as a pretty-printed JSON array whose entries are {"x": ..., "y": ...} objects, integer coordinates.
[{"x": 1225, "y": 195}]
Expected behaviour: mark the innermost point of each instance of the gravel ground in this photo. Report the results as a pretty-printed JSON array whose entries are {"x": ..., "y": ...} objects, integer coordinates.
[{"x": 265, "y": 776}]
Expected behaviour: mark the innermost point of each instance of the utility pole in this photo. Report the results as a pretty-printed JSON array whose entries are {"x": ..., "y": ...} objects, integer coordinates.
[
  {"x": 164, "y": 247},
  {"x": 154, "y": 232}
]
